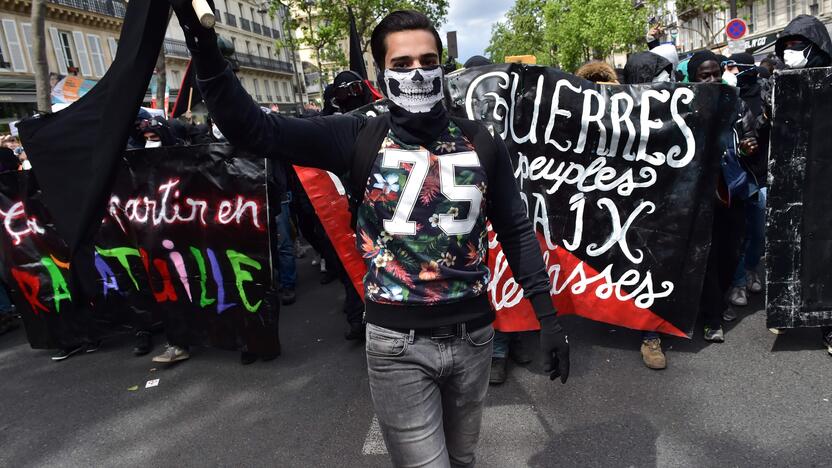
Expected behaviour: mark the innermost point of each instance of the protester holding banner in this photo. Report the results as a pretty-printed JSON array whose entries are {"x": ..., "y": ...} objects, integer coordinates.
[
  {"x": 805, "y": 43},
  {"x": 425, "y": 287},
  {"x": 729, "y": 219},
  {"x": 742, "y": 73},
  {"x": 649, "y": 67}
]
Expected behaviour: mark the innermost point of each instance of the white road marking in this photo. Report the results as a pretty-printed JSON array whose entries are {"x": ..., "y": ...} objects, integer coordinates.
[{"x": 374, "y": 443}]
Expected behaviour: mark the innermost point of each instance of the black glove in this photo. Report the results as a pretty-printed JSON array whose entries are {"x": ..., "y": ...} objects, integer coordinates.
[
  {"x": 555, "y": 347},
  {"x": 196, "y": 36}
]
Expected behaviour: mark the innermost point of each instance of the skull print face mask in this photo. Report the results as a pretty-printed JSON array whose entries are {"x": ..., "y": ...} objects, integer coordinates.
[{"x": 415, "y": 90}]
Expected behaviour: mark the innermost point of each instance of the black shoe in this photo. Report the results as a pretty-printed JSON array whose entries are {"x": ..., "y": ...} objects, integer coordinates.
[
  {"x": 144, "y": 343},
  {"x": 356, "y": 333},
  {"x": 247, "y": 358},
  {"x": 92, "y": 346},
  {"x": 287, "y": 296},
  {"x": 498, "y": 370},
  {"x": 328, "y": 277},
  {"x": 67, "y": 352}
]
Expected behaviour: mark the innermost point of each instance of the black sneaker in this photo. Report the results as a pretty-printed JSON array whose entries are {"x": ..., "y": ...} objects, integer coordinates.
[
  {"x": 144, "y": 343},
  {"x": 92, "y": 346},
  {"x": 357, "y": 332},
  {"x": 67, "y": 352},
  {"x": 499, "y": 370},
  {"x": 328, "y": 277},
  {"x": 247, "y": 358},
  {"x": 287, "y": 296}
]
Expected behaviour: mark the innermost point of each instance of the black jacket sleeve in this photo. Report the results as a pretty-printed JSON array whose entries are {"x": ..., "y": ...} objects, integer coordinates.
[
  {"x": 322, "y": 142},
  {"x": 508, "y": 217}
]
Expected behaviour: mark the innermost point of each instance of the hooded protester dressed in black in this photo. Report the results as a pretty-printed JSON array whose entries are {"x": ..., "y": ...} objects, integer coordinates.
[
  {"x": 810, "y": 29},
  {"x": 643, "y": 67}
]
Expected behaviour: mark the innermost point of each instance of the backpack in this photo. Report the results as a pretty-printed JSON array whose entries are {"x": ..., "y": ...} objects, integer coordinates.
[{"x": 371, "y": 136}]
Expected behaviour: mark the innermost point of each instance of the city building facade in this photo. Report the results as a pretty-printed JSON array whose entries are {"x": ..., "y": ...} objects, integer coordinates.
[{"x": 765, "y": 19}]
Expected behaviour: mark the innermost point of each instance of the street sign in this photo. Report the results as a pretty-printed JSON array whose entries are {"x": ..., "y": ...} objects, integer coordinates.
[
  {"x": 736, "y": 29},
  {"x": 452, "y": 50}
]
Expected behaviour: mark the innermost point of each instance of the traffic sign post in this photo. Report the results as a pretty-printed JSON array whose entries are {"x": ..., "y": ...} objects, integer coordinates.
[{"x": 736, "y": 29}]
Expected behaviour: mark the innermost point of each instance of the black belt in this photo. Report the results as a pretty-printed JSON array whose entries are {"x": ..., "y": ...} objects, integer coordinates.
[{"x": 447, "y": 331}]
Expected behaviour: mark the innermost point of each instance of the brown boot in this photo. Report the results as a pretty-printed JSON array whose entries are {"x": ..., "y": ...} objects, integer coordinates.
[{"x": 651, "y": 352}]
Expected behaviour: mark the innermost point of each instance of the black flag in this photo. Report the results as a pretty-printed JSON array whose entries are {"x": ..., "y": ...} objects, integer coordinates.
[
  {"x": 75, "y": 152},
  {"x": 356, "y": 57}
]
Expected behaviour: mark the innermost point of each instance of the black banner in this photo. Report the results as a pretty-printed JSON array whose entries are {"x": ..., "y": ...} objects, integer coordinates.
[
  {"x": 619, "y": 182},
  {"x": 799, "y": 227},
  {"x": 186, "y": 238}
]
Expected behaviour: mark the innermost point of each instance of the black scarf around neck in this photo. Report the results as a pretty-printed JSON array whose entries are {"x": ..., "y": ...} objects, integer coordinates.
[{"x": 418, "y": 129}]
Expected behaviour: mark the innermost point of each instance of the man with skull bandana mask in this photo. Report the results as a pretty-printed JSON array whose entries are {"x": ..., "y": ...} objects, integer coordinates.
[{"x": 421, "y": 229}]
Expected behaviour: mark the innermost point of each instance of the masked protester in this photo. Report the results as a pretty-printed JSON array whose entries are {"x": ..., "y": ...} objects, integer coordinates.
[
  {"x": 729, "y": 215},
  {"x": 428, "y": 316},
  {"x": 740, "y": 71},
  {"x": 650, "y": 67},
  {"x": 805, "y": 43}
]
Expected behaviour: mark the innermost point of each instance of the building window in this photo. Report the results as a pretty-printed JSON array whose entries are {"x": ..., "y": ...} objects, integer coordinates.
[
  {"x": 259, "y": 51},
  {"x": 13, "y": 45},
  {"x": 268, "y": 91},
  {"x": 113, "y": 47},
  {"x": 26, "y": 29},
  {"x": 791, "y": 9},
  {"x": 278, "y": 92},
  {"x": 96, "y": 55},
  {"x": 257, "y": 91},
  {"x": 66, "y": 48}
]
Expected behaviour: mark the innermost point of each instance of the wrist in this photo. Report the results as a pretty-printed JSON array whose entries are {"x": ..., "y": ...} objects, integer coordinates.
[{"x": 543, "y": 307}]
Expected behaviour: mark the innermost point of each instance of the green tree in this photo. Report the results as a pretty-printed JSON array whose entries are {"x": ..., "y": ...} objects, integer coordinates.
[
  {"x": 325, "y": 23},
  {"x": 581, "y": 30},
  {"x": 522, "y": 33}
]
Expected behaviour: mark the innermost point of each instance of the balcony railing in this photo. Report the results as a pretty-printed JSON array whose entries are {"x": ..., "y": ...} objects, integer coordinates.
[
  {"x": 261, "y": 63},
  {"x": 245, "y": 24},
  {"x": 230, "y": 19},
  {"x": 115, "y": 8},
  {"x": 256, "y": 28},
  {"x": 176, "y": 48}
]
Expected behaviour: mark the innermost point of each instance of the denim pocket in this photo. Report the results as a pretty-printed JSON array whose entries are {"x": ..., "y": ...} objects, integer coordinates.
[
  {"x": 382, "y": 342},
  {"x": 481, "y": 337}
]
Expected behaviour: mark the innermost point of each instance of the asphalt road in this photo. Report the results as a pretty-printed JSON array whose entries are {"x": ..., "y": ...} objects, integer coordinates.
[{"x": 756, "y": 400}]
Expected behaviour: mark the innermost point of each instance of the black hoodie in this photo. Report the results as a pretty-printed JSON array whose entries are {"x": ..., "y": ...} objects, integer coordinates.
[
  {"x": 811, "y": 29},
  {"x": 644, "y": 66}
]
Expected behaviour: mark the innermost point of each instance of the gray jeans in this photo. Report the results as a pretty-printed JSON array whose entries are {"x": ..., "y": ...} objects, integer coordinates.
[{"x": 428, "y": 394}]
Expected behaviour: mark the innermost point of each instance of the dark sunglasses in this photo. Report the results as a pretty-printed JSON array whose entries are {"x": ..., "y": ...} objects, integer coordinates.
[{"x": 348, "y": 90}]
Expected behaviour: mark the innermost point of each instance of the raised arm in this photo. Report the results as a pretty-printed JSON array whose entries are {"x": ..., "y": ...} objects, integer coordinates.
[{"x": 322, "y": 142}]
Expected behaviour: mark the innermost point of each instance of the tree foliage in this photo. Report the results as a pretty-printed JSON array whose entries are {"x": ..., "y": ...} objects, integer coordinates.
[
  {"x": 522, "y": 33},
  {"x": 566, "y": 33},
  {"x": 581, "y": 30},
  {"x": 330, "y": 21}
]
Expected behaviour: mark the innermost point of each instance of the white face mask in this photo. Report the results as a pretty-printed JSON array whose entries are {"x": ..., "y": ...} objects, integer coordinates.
[
  {"x": 663, "y": 77},
  {"x": 153, "y": 144},
  {"x": 729, "y": 78},
  {"x": 416, "y": 90},
  {"x": 796, "y": 58}
]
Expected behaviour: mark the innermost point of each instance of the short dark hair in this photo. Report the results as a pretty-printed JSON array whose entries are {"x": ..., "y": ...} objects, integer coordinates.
[{"x": 401, "y": 20}]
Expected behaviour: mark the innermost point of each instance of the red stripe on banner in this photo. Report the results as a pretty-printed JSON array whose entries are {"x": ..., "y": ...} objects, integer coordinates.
[
  {"x": 332, "y": 208},
  {"x": 578, "y": 291}
]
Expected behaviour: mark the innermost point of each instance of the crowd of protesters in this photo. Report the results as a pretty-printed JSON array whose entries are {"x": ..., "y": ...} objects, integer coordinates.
[{"x": 734, "y": 264}]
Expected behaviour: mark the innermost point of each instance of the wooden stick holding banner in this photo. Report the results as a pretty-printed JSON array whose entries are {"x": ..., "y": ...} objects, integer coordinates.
[
  {"x": 204, "y": 13},
  {"x": 190, "y": 98}
]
